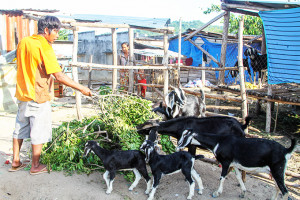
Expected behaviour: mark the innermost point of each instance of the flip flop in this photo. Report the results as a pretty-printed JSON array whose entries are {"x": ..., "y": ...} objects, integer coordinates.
[
  {"x": 44, "y": 170},
  {"x": 14, "y": 169}
]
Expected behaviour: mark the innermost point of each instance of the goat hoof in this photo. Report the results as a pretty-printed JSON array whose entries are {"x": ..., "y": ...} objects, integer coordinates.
[
  {"x": 200, "y": 192},
  {"x": 189, "y": 197},
  {"x": 215, "y": 194},
  {"x": 130, "y": 189},
  {"x": 147, "y": 192},
  {"x": 242, "y": 195},
  {"x": 108, "y": 192}
]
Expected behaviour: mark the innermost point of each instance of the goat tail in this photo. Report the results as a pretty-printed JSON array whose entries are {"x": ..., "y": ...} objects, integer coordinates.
[
  {"x": 247, "y": 122},
  {"x": 197, "y": 157},
  {"x": 292, "y": 147},
  {"x": 202, "y": 95}
]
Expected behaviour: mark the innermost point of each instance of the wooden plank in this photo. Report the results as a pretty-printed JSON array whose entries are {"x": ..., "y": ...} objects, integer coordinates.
[
  {"x": 166, "y": 72},
  {"x": 205, "y": 25}
]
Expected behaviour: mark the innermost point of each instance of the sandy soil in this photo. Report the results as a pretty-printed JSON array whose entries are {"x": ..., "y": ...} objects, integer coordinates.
[{"x": 56, "y": 185}]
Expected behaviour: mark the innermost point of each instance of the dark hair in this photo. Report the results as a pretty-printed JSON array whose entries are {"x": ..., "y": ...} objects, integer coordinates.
[
  {"x": 125, "y": 43},
  {"x": 49, "y": 22}
]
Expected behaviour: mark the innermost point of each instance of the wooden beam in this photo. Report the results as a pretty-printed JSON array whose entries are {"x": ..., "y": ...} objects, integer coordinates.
[
  {"x": 131, "y": 58},
  {"x": 103, "y": 66},
  {"x": 204, "y": 51},
  {"x": 205, "y": 25},
  {"x": 165, "y": 71},
  {"x": 247, "y": 7},
  {"x": 224, "y": 47},
  {"x": 241, "y": 71},
  {"x": 244, "y": 12}
]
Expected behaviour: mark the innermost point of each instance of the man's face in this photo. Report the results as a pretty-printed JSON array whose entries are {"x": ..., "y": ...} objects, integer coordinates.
[
  {"x": 52, "y": 36},
  {"x": 124, "y": 48}
]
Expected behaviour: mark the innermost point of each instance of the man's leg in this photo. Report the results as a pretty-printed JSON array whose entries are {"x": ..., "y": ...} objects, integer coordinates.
[
  {"x": 17, "y": 144},
  {"x": 36, "y": 153}
]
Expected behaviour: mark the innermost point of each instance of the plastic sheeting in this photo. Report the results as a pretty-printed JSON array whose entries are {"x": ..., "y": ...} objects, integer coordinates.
[
  {"x": 214, "y": 49},
  {"x": 282, "y": 29}
]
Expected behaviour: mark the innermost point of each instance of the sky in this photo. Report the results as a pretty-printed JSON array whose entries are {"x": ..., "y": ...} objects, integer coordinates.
[{"x": 174, "y": 9}]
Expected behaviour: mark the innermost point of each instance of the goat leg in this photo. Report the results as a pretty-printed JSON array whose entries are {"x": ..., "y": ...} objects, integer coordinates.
[
  {"x": 137, "y": 179},
  {"x": 239, "y": 178}
]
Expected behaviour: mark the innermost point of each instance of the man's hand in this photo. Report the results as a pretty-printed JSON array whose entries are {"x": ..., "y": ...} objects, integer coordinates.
[{"x": 86, "y": 91}]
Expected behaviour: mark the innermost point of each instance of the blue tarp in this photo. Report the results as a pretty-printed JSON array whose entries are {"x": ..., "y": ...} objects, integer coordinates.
[
  {"x": 214, "y": 49},
  {"x": 282, "y": 28}
]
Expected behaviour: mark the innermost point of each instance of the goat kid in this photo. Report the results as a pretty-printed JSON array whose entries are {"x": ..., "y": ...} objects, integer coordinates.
[
  {"x": 249, "y": 154},
  {"x": 169, "y": 164},
  {"x": 120, "y": 160},
  {"x": 178, "y": 104}
]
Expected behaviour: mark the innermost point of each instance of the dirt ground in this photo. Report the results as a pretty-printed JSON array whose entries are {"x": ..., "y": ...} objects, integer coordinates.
[{"x": 56, "y": 185}]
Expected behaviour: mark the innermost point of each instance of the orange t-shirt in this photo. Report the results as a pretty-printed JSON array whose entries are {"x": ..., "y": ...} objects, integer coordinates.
[{"x": 36, "y": 62}]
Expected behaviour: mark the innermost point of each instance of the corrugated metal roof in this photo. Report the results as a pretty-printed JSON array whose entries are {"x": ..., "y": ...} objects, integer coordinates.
[{"x": 133, "y": 21}]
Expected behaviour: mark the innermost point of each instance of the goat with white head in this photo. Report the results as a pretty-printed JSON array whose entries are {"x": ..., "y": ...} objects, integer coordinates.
[
  {"x": 249, "y": 154},
  {"x": 169, "y": 164},
  {"x": 178, "y": 104}
]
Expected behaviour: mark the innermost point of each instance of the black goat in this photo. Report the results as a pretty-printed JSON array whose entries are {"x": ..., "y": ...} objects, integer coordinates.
[
  {"x": 249, "y": 154},
  {"x": 120, "y": 160},
  {"x": 175, "y": 127},
  {"x": 169, "y": 164},
  {"x": 178, "y": 104},
  {"x": 234, "y": 73},
  {"x": 258, "y": 62}
]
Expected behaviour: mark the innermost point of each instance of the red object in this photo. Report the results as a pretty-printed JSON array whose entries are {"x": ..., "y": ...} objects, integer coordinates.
[
  {"x": 7, "y": 162},
  {"x": 220, "y": 165},
  {"x": 189, "y": 61},
  {"x": 143, "y": 88}
]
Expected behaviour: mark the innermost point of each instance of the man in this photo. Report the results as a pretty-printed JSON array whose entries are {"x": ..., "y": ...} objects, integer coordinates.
[{"x": 36, "y": 63}]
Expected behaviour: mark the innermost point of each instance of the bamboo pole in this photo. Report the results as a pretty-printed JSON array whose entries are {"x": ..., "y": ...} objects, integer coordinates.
[
  {"x": 179, "y": 52},
  {"x": 241, "y": 71},
  {"x": 131, "y": 49},
  {"x": 75, "y": 75},
  {"x": 166, "y": 72},
  {"x": 115, "y": 59}
]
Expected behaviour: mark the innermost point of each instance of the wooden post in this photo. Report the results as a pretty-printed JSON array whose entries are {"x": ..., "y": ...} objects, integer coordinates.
[
  {"x": 75, "y": 74},
  {"x": 115, "y": 59},
  {"x": 268, "y": 111},
  {"x": 224, "y": 47},
  {"x": 166, "y": 72},
  {"x": 203, "y": 72},
  {"x": 179, "y": 52},
  {"x": 131, "y": 55},
  {"x": 241, "y": 71},
  {"x": 90, "y": 73}
]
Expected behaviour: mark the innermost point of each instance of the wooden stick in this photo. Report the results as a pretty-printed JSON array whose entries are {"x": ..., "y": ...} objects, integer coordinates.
[{"x": 205, "y": 25}]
